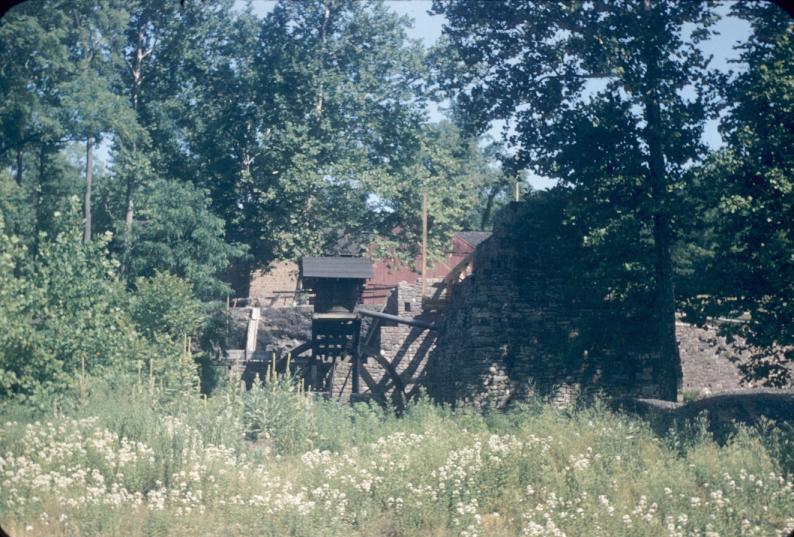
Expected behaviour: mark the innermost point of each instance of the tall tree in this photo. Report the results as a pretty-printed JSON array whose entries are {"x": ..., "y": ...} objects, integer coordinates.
[
  {"x": 454, "y": 172},
  {"x": 289, "y": 121},
  {"x": 746, "y": 200},
  {"x": 143, "y": 36},
  {"x": 608, "y": 97},
  {"x": 30, "y": 119}
]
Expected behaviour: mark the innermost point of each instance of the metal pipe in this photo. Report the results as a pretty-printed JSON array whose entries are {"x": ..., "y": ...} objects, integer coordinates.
[{"x": 389, "y": 317}]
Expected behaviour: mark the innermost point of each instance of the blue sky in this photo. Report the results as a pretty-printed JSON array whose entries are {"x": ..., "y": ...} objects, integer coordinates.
[{"x": 428, "y": 28}]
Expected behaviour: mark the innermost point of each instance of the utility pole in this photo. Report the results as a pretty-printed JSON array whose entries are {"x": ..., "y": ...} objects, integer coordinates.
[{"x": 424, "y": 243}]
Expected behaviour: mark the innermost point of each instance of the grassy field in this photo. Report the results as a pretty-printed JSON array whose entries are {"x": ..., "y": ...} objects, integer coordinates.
[{"x": 129, "y": 461}]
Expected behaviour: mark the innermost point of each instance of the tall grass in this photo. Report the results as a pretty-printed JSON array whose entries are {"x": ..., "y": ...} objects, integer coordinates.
[{"x": 275, "y": 461}]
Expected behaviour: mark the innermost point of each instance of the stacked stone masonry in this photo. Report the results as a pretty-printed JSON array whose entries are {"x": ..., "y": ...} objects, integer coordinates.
[{"x": 510, "y": 331}]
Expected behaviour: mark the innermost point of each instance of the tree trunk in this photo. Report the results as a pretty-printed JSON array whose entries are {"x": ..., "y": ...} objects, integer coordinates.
[
  {"x": 662, "y": 235},
  {"x": 130, "y": 206},
  {"x": 37, "y": 192},
  {"x": 89, "y": 179},
  {"x": 665, "y": 293},
  {"x": 19, "y": 166},
  {"x": 137, "y": 75}
]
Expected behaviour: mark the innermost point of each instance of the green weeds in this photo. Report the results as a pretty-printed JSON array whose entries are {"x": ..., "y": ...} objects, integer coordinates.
[{"x": 275, "y": 461}]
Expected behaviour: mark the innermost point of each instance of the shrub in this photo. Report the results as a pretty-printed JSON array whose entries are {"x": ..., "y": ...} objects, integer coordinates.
[{"x": 62, "y": 314}]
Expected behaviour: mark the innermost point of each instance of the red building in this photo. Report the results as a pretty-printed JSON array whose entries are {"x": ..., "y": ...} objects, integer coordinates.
[{"x": 387, "y": 273}]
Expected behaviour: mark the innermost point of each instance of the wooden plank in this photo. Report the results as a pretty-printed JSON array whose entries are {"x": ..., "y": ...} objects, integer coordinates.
[{"x": 253, "y": 330}]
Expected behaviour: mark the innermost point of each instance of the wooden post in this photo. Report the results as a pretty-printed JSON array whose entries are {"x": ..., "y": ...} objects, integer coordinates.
[
  {"x": 356, "y": 373},
  {"x": 424, "y": 244},
  {"x": 356, "y": 357}
]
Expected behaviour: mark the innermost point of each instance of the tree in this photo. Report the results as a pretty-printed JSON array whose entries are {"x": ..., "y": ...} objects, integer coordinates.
[
  {"x": 746, "y": 204},
  {"x": 176, "y": 232},
  {"x": 62, "y": 313},
  {"x": 454, "y": 172},
  {"x": 32, "y": 130},
  {"x": 28, "y": 93},
  {"x": 608, "y": 97},
  {"x": 147, "y": 23},
  {"x": 289, "y": 121},
  {"x": 88, "y": 103}
]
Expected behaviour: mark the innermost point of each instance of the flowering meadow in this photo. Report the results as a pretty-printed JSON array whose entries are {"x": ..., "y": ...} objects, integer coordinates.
[{"x": 274, "y": 461}]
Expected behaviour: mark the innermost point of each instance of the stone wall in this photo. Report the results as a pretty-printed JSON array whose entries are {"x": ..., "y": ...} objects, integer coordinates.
[
  {"x": 712, "y": 365},
  {"x": 512, "y": 328},
  {"x": 280, "y": 329},
  {"x": 709, "y": 363}
]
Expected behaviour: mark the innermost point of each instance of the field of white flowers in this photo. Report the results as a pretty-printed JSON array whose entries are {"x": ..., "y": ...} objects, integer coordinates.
[{"x": 276, "y": 462}]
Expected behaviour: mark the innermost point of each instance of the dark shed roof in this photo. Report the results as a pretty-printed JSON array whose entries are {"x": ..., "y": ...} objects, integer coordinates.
[
  {"x": 473, "y": 237},
  {"x": 336, "y": 267}
]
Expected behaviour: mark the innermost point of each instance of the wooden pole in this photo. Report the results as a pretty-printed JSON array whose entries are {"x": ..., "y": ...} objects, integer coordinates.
[
  {"x": 424, "y": 244},
  {"x": 356, "y": 373},
  {"x": 356, "y": 358},
  {"x": 82, "y": 376},
  {"x": 518, "y": 178}
]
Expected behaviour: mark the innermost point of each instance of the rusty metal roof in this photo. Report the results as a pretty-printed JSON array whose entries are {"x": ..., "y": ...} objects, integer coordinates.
[{"x": 343, "y": 267}]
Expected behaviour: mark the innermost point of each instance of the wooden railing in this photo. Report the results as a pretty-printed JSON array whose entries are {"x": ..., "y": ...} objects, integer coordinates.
[{"x": 274, "y": 299}]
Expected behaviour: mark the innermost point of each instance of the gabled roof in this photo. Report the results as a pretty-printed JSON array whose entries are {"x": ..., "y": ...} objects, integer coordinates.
[
  {"x": 473, "y": 237},
  {"x": 359, "y": 268}
]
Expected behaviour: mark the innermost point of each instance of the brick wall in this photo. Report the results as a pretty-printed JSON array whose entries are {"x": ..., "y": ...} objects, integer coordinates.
[{"x": 269, "y": 285}]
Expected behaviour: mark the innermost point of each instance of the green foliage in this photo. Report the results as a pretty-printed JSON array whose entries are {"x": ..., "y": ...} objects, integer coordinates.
[
  {"x": 745, "y": 202},
  {"x": 164, "y": 306},
  {"x": 595, "y": 96},
  {"x": 17, "y": 217},
  {"x": 284, "y": 134},
  {"x": 63, "y": 312},
  {"x": 456, "y": 176},
  {"x": 167, "y": 313},
  {"x": 68, "y": 321},
  {"x": 178, "y": 233},
  {"x": 128, "y": 462},
  {"x": 269, "y": 413}
]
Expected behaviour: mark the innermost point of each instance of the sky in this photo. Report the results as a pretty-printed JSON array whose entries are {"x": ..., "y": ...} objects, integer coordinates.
[{"x": 428, "y": 28}]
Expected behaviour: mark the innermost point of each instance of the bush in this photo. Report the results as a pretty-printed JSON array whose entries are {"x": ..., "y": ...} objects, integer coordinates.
[{"x": 63, "y": 314}]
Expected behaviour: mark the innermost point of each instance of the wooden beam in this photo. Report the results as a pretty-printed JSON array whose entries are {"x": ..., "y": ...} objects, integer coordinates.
[{"x": 253, "y": 329}]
